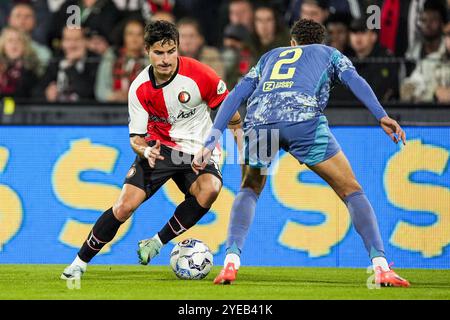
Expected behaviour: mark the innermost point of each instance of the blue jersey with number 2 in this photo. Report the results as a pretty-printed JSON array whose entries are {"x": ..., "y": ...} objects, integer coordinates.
[{"x": 293, "y": 83}]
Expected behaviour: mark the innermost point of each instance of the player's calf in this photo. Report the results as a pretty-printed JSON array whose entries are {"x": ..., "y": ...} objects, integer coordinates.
[
  {"x": 103, "y": 232},
  {"x": 186, "y": 215}
]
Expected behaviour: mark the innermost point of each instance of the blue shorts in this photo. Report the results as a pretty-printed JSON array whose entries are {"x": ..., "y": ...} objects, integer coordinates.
[{"x": 310, "y": 142}]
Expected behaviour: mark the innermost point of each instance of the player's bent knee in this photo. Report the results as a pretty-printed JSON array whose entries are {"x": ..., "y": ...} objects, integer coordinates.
[
  {"x": 350, "y": 187},
  {"x": 208, "y": 196},
  {"x": 257, "y": 185},
  {"x": 206, "y": 191},
  {"x": 123, "y": 210}
]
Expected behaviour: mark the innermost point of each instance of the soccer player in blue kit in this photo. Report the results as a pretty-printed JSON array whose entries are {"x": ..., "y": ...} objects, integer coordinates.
[{"x": 287, "y": 91}]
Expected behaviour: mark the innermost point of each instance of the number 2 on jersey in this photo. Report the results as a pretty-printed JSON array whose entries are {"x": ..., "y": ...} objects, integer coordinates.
[{"x": 276, "y": 75}]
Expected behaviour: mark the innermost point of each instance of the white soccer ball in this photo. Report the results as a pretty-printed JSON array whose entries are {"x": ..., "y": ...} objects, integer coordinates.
[{"x": 191, "y": 259}]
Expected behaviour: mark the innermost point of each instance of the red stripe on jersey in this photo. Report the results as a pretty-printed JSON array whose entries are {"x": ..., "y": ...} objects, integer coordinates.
[
  {"x": 152, "y": 100},
  {"x": 206, "y": 79}
]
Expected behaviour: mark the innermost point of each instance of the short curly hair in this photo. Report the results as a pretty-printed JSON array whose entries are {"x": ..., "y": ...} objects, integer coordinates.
[
  {"x": 306, "y": 31},
  {"x": 160, "y": 30}
]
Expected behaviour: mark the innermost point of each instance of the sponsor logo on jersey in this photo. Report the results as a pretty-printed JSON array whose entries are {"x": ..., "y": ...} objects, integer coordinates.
[
  {"x": 153, "y": 118},
  {"x": 272, "y": 85},
  {"x": 184, "y": 97},
  {"x": 172, "y": 119},
  {"x": 221, "y": 87},
  {"x": 185, "y": 115}
]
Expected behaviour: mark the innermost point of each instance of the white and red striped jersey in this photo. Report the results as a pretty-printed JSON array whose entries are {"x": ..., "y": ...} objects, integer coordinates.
[{"x": 177, "y": 112}]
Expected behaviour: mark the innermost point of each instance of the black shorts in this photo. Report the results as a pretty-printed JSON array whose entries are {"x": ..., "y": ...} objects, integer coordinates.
[{"x": 151, "y": 179}]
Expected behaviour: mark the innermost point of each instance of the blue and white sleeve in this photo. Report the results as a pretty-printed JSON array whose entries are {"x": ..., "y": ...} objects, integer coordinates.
[{"x": 348, "y": 75}]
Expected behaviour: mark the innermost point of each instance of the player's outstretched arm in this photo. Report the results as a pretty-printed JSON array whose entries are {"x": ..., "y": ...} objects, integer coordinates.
[
  {"x": 228, "y": 110},
  {"x": 365, "y": 94}
]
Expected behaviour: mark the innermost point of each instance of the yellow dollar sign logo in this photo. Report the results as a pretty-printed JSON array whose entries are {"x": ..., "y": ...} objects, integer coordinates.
[
  {"x": 77, "y": 194},
  {"x": 317, "y": 240},
  {"x": 10, "y": 206},
  {"x": 413, "y": 196}
]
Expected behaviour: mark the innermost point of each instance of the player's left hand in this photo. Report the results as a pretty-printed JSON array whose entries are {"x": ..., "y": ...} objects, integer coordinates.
[
  {"x": 393, "y": 129},
  {"x": 200, "y": 160}
]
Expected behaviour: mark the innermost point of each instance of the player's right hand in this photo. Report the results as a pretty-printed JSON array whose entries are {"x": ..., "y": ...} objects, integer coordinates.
[
  {"x": 393, "y": 129},
  {"x": 153, "y": 153},
  {"x": 200, "y": 160}
]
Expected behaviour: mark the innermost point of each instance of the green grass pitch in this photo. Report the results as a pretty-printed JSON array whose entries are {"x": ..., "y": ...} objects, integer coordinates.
[{"x": 158, "y": 282}]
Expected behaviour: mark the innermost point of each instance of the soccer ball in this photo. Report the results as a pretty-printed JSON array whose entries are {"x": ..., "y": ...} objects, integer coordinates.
[{"x": 191, "y": 259}]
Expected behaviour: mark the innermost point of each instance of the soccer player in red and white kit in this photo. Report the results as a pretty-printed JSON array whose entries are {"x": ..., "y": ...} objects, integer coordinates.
[{"x": 169, "y": 107}]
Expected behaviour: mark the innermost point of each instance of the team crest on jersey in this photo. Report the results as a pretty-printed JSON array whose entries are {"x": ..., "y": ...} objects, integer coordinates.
[
  {"x": 131, "y": 172},
  {"x": 184, "y": 97}
]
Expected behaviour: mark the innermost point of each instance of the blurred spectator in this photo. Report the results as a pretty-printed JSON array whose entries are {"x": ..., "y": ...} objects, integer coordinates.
[
  {"x": 354, "y": 8},
  {"x": 431, "y": 79},
  {"x": 338, "y": 33},
  {"x": 192, "y": 44},
  {"x": 163, "y": 15},
  {"x": 240, "y": 12},
  {"x": 236, "y": 53},
  {"x": 118, "y": 69},
  {"x": 22, "y": 17},
  {"x": 150, "y": 7},
  {"x": 431, "y": 22},
  {"x": 18, "y": 64},
  {"x": 54, "y": 5},
  {"x": 128, "y": 5},
  {"x": 316, "y": 10},
  {"x": 97, "y": 42},
  {"x": 442, "y": 76},
  {"x": 401, "y": 24},
  {"x": 212, "y": 17},
  {"x": 44, "y": 15},
  {"x": 98, "y": 15},
  {"x": 382, "y": 76},
  {"x": 371, "y": 63},
  {"x": 270, "y": 31},
  {"x": 160, "y": 5},
  {"x": 71, "y": 77}
]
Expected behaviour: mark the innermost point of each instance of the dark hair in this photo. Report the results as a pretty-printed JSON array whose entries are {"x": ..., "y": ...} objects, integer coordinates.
[
  {"x": 119, "y": 32},
  {"x": 438, "y": 6},
  {"x": 191, "y": 22},
  {"x": 160, "y": 30},
  {"x": 307, "y": 31}
]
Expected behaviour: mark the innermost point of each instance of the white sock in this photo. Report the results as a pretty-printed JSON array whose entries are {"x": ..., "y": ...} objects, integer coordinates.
[
  {"x": 156, "y": 237},
  {"x": 380, "y": 262},
  {"x": 233, "y": 258},
  {"x": 80, "y": 263}
]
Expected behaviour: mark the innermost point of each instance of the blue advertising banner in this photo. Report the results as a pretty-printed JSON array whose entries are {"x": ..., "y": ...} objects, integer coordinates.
[{"x": 56, "y": 181}]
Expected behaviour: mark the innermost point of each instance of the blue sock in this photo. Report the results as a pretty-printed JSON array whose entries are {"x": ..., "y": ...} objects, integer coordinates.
[
  {"x": 365, "y": 223},
  {"x": 242, "y": 214}
]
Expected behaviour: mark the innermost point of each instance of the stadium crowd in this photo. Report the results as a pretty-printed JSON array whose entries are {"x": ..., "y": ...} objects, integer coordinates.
[{"x": 43, "y": 59}]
